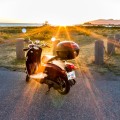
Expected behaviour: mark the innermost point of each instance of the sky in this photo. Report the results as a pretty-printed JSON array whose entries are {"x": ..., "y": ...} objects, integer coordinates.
[{"x": 58, "y": 12}]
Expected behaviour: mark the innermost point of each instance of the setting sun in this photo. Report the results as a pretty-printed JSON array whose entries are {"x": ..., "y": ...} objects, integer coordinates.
[{"x": 62, "y": 23}]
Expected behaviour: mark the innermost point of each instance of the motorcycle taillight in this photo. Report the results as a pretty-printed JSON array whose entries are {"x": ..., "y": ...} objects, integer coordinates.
[{"x": 70, "y": 67}]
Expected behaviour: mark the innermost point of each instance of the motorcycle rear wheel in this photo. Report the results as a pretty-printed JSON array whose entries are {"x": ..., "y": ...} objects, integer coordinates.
[{"x": 64, "y": 86}]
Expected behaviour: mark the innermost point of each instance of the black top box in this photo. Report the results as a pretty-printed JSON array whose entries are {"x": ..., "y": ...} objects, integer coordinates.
[{"x": 67, "y": 50}]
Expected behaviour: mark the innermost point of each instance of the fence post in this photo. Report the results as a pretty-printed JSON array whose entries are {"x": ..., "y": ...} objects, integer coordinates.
[
  {"x": 117, "y": 39},
  {"x": 20, "y": 54},
  {"x": 110, "y": 45},
  {"x": 99, "y": 52},
  {"x": 54, "y": 46}
]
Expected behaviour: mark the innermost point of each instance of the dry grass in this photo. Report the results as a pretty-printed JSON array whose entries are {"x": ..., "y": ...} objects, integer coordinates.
[
  {"x": 84, "y": 61},
  {"x": 8, "y": 57}
]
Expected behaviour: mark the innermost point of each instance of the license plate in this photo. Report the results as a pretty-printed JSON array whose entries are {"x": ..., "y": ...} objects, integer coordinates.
[{"x": 71, "y": 75}]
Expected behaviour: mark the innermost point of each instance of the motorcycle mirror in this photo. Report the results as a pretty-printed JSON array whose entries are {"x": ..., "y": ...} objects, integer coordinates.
[
  {"x": 24, "y": 30},
  {"x": 37, "y": 42}
]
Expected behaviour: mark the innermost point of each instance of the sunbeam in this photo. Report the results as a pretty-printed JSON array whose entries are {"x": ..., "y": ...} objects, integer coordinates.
[
  {"x": 89, "y": 81},
  {"x": 97, "y": 36},
  {"x": 67, "y": 33},
  {"x": 25, "y": 100},
  {"x": 58, "y": 32}
]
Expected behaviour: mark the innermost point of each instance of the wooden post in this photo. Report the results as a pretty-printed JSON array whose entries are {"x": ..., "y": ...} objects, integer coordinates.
[
  {"x": 110, "y": 45},
  {"x": 117, "y": 37},
  {"x": 20, "y": 54},
  {"x": 54, "y": 46},
  {"x": 99, "y": 52}
]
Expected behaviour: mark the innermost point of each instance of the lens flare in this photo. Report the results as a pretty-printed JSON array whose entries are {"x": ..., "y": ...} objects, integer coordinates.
[{"x": 53, "y": 39}]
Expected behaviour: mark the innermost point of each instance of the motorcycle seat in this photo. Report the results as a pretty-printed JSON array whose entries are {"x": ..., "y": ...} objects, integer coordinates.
[{"x": 48, "y": 58}]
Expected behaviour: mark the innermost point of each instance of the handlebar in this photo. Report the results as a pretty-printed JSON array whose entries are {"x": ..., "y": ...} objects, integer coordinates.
[
  {"x": 25, "y": 49},
  {"x": 35, "y": 44},
  {"x": 44, "y": 45},
  {"x": 47, "y": 46}
]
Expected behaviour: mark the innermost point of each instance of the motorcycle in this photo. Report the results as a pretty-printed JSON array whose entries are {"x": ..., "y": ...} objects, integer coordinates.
[{"x": 54, "y": 71}]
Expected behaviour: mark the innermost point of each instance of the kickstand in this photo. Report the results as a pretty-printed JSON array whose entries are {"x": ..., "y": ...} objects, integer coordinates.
[{"x": 48, "y": 89}]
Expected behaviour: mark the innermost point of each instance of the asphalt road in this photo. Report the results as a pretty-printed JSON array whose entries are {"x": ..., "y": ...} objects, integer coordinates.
[{"x": 94, "y": 97}]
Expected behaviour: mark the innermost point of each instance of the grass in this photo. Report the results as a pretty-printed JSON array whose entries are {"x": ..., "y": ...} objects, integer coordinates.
[
  {"x": 113, "y": 63},
  {"x": 8, "y": 57},
  {"x": 82, "y": 36}
]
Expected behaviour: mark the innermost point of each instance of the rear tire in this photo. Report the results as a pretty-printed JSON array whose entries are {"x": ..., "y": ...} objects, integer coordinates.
[
  {"x": 64, "y": 86},
  {"x": 72, "y": 82}
]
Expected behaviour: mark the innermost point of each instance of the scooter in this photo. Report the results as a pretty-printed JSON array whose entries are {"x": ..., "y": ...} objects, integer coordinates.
[{"x": 50, "y": 70}]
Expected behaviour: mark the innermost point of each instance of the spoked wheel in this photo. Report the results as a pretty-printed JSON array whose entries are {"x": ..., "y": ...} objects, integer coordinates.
[{"x": 64, "y": 86}]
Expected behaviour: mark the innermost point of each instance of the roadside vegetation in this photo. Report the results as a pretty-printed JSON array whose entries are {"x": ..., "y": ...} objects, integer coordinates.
[{"x": 84, "y": 36}]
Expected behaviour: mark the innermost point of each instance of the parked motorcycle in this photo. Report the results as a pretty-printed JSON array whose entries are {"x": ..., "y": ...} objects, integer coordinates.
[{"x": 54, "y": 71}]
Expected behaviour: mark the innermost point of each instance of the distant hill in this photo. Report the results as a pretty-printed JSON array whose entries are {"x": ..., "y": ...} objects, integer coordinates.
[{"x": 104, "y": 22}]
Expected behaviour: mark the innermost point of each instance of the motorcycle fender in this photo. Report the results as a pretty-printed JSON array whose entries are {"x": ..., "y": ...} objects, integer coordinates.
[{"x": 53, "y": 71}]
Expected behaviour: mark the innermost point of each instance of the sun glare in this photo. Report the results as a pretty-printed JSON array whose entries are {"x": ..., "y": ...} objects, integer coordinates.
[
  {"x": 53, "y": 39},
  {"x": 62, "y": 25}
]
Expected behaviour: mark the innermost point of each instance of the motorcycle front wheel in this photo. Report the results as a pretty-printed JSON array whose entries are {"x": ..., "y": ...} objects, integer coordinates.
[
  {"x": 64, "y": 86},
  {"x": 27, "y": 78}
]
